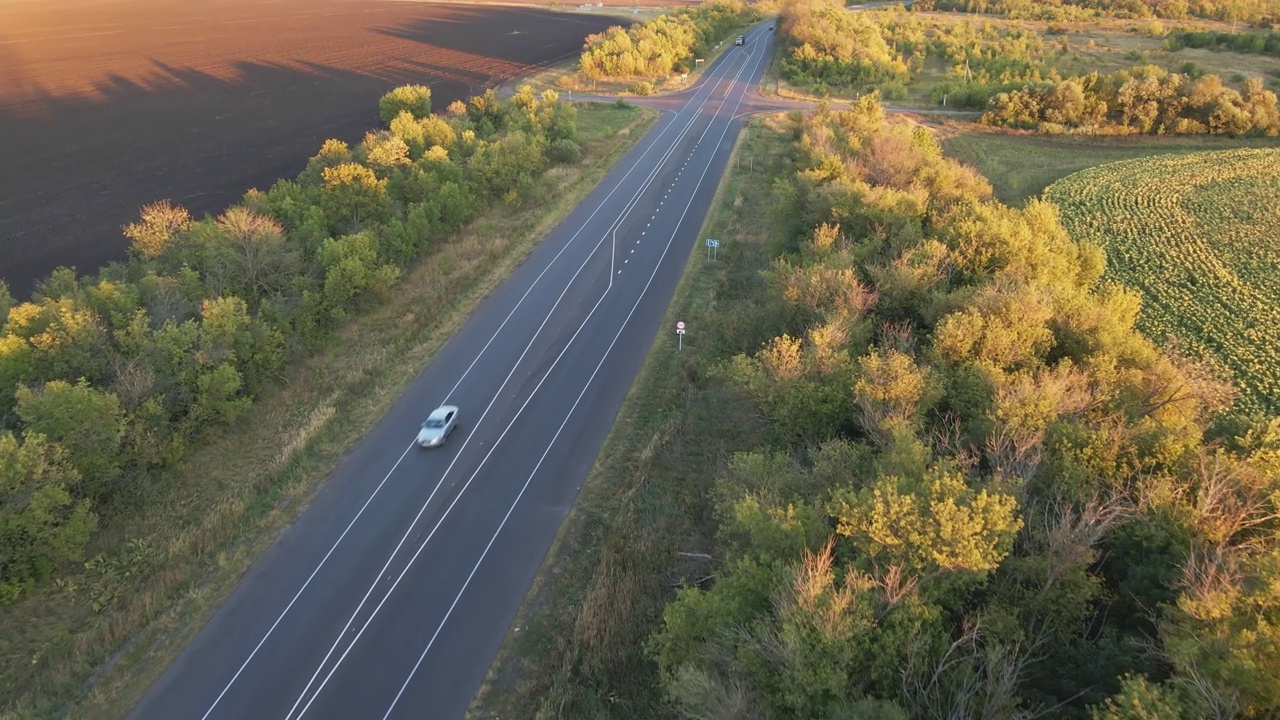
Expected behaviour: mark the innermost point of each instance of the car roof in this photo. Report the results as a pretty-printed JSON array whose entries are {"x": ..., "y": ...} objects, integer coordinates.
[{"x": 441, "y": 411}]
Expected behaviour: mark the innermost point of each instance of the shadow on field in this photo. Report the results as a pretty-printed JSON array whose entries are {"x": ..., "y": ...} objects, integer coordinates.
[
  {"x": 79, "y": 165},
  {"x": 79, "y": 168},
  {"x": 500, "y": 41}
]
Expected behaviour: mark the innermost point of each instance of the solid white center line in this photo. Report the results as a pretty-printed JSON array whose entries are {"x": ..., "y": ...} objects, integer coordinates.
[{"x": 547, "y": 450}]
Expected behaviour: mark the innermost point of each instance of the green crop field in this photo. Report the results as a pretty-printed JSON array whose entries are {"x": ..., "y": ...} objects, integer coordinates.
[{"x": 1199, "y": 237}]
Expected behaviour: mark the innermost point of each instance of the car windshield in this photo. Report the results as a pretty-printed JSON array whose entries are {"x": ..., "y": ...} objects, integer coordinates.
[{"x": 433, "y": 424}]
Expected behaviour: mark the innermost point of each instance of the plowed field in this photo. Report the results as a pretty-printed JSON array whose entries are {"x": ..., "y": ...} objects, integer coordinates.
[{"x": 109, "y": 104}]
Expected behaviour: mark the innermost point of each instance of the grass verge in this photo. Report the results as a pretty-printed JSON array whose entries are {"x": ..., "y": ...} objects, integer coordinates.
[
  {"x": 1022, "y": 165},
  {"x": 90, "y": 646},
  {"x": 576, "y": 648}
]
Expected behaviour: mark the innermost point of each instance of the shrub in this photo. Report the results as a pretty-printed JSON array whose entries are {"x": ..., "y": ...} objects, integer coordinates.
[{"x": 564, "y": 152}]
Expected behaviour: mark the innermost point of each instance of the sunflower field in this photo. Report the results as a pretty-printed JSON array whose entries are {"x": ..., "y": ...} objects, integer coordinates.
[{"x": 1199, "y": 237}]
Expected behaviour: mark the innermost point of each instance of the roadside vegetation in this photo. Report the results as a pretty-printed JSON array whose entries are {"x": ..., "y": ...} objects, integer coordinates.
[
  {"x": 1102, "y": 76},
  {"x": 162, "y": 420},
  {"x": 642, "y": 523},
  {"x": 1255, "y": 12},
  {"x": 1195, "y": 236},
  {"x": 653, "y": 51},
  {"x": 920, "y": 463}
]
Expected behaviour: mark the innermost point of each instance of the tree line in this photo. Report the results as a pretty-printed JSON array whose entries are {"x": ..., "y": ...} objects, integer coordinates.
[
  {"x": 1008, "y": 73},
  {"x": 665, "y": 45},
  {"x": 826, "y": 47},
  {"x": 982, "y": 59},
  {"x": 1259, "y": 13},
  {"x": 1145, "y": 100},
  {"x": 832, "y": 50},
  {"x": 1254, "y": 43},
  {"x": 106, "y": 379},
  {"x": 982, "y": 492}
]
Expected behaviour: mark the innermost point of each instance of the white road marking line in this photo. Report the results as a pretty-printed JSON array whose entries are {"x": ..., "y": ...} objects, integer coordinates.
[
  {"x": 546, "y": 451},
  {"x": 447, "y": 511},
  {"x": 253, "y": 653},
  {"x": 369, "y": 500},
  {"x": 513, "y": 420},
  {"x": 448, "y": 469},
  {"x": 632, "y": 204},
  {"x": 305, "y": 584}
]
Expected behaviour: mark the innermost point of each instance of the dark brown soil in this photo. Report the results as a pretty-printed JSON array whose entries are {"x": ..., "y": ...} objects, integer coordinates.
[{"x": 106, "y": 105}]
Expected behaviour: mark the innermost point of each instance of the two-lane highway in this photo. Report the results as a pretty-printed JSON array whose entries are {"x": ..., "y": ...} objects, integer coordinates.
[{"x": 392, "y": 593}]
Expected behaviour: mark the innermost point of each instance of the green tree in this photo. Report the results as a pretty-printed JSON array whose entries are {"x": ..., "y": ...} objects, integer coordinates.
[
  {"x": 66, "y": 339},
  {"x": 6, "y": 302},
  {"x": 384, "y": 150},
  {"x": 219, "y": 398},
  {"x": 437, "y": 131},
  {"x": 413, "y": 99},
  {"x": 160, "y": 225},
  {"x": 353, "y": 197},
  {"x": 1141, "y": 699},
  {"x": 17, "y": 365},
  {"x": 332, "y": 154},
  {"x": 351, "y": 268},
  {"x": 928, "y": 525},
  {"x": 41, "y": 525},
  {"x": 409, "y": 130},
  {"x": 229, "y": 333},
  {"x": 246, "y": 254},
  {"x": 892, "y": 392},
  {"x": 87, "y": 422},
  {"x": 508, "y": 165}
]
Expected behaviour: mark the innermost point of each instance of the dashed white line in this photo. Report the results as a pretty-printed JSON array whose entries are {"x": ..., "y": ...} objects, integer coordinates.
[
  {"x": 559, "y": 430},
  {"x": 306, "y": 584},
  {"x": 459, "y": 496}
]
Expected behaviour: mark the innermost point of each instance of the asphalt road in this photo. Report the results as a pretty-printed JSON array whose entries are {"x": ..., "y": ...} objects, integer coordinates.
[{"x": 392, "y": 593}]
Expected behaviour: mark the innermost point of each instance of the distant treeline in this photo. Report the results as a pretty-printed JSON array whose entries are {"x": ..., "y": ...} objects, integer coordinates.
[
  {"x": 105, "y": 380},
  {"x": 1257, "y": 12},
  {"x": 1008, "y": 73},
  {"x": 665, "y": 45},
  {"x": 974, "y": 489},
  {"x": 1147, "y": 100},
  {"x": 827, "y": 47},
  {"x": 832, "y": 50},
  {"x": 1256, "y": 43}
]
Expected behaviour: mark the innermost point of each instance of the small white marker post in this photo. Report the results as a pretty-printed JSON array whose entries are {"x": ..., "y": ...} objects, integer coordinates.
[{"x": 680, "y": 335}]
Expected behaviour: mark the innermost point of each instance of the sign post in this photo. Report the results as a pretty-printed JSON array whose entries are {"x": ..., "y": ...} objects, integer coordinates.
[
  {"x": 712, "y": 246},
  {"x": 680, "y": 335}
]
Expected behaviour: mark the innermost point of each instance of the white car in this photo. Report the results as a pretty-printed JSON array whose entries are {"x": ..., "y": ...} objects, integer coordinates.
[{"x": 437, "y": 427}]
